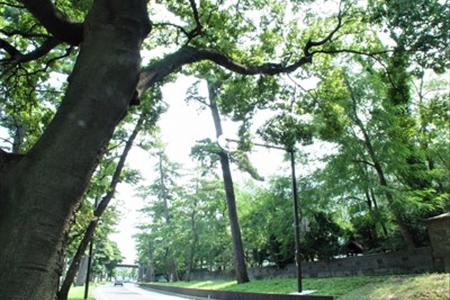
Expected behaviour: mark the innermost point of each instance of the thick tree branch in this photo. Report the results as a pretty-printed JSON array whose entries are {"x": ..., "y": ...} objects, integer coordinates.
[
  {"x": 17, "y": 57},
  {"x": 187, "y": 54},
  {"x": 55, "y": 21}
]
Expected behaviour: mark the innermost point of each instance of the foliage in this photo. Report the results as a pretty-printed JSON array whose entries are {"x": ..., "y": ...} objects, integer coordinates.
[
  {"x": 375, "y": 98},
  {"x": 201, "y": 204},
  {"x": 321, "y": 240},
  {"x": 106, "y": 254},
  {"x": 267, "y": 224}
]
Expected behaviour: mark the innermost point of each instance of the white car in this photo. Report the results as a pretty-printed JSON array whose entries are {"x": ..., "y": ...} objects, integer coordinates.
[{"x": 118, "y": 281}]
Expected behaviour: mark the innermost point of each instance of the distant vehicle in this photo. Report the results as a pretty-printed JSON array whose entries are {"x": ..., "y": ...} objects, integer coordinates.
[{"x": 118, "y": 281}]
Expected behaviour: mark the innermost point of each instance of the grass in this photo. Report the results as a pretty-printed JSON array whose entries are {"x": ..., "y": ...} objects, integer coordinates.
[
  {"x": 392, "y": 287},
  {"x": 420, "y": 287},
  {"x": 77, "y": 293}
]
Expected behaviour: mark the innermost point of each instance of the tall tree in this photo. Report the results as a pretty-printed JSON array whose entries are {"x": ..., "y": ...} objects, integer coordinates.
[
  {"x": 193, "y": 216},
  {"x": 375, "y": 162},
  {"x": 173, "y": 272},
  {"x": 238, "y": 248},
  {"x": 163, "y": 193},
  {"x": 216, "y": 98}
]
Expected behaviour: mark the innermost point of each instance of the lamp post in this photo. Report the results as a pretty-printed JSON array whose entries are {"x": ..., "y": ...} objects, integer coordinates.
[
  {"x": 88, "y": 271},
  {"x": 223, "y": 143}
]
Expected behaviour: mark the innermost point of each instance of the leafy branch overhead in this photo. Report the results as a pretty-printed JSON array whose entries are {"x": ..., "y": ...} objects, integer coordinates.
[{"x": 56, "y": 26}]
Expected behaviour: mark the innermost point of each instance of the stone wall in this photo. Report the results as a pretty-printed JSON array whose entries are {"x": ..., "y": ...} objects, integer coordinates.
[
  {"x": 416, "y": 261},
  {"x": 439, "y": 232}
]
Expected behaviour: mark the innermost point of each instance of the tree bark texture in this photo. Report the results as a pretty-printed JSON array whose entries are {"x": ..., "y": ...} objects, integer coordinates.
[
  {"x": 40, "y": 192},
  {"x": 238, "y": 248}
]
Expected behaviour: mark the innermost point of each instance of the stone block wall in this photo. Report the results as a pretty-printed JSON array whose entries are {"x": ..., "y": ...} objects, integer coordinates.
[
  {"x": 439, "y": 232},
  {"x": 416, "y": 261},
  {"x": 428, "y": 259}
]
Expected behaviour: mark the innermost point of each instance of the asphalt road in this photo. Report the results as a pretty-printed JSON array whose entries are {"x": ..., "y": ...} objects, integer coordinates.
[{"x": 131, "y": 292}]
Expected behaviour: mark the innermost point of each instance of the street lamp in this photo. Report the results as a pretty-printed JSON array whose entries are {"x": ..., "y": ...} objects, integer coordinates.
[
  {"x": 227, "y": 144},
  {"x": 88, "y": 271}
]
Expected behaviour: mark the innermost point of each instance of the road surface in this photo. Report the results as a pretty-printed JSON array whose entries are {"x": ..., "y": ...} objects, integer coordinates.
[{"x": 131, "y": 292}]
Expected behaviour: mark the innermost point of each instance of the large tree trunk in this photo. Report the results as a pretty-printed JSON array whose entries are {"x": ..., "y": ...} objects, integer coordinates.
[
  {"x": 40, "y": 192},
  {"x": 238, "y": 248}
]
